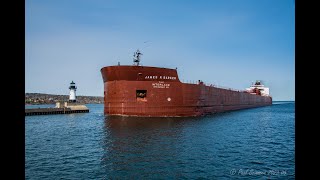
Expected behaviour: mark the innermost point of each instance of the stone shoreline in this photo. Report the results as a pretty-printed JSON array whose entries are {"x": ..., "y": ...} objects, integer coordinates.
[{"x": 41, "y": 98}]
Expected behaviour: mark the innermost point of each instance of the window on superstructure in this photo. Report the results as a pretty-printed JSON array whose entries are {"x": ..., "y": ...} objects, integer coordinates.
[{"x": 141, "y": 93}]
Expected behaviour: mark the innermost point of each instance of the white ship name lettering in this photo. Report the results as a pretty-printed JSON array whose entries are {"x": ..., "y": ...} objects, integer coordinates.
[
  {"x": 161, "y": 77},
  {"x": 160, "y": 85}
]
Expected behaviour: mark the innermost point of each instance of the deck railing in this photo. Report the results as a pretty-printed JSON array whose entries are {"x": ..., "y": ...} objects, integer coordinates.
[{"x": 211, "y": 85}]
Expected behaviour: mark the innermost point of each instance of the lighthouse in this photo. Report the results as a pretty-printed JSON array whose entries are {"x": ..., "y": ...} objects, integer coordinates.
[{"x": 73, "y": 89}]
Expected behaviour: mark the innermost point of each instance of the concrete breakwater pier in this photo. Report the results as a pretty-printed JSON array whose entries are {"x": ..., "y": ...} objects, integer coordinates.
[
  {"x": 66, "y": 108},
  {"x": 61, "y": 108}
]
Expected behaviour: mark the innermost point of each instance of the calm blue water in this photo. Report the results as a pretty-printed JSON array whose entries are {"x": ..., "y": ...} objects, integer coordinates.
[{"x": 256, "y": 143}]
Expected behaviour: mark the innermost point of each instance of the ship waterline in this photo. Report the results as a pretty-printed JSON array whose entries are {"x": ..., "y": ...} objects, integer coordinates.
[{"x": 158, "y": 92}]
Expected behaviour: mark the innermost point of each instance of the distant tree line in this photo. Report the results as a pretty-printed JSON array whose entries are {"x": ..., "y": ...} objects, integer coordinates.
[{"x": 40, "y": 98}]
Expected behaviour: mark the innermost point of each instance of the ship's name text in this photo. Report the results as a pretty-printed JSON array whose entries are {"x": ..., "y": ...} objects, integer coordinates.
[{"x": 161, "y": 77}]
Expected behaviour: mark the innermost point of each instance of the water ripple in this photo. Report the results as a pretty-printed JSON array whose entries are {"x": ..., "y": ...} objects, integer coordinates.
[{"x": 248, "y": 144}]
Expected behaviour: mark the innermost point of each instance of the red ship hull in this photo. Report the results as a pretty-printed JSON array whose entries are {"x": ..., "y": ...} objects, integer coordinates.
[{"x": 158, "y": 92}]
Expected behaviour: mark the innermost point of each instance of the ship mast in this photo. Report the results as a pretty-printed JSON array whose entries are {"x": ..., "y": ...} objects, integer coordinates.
[{"x": 136, "y": 57}]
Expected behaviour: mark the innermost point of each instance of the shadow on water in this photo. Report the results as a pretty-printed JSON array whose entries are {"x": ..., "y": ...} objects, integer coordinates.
[
  {"x": 133, "y": 145},
  {"x": 142, "y": 144}
]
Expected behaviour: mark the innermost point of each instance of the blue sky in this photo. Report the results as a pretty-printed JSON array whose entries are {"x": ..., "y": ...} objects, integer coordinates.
[{"x": 230, "y": 43}]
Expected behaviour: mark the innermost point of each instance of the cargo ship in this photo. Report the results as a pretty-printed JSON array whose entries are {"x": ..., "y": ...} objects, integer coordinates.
[{"x": 136, "y": 90}]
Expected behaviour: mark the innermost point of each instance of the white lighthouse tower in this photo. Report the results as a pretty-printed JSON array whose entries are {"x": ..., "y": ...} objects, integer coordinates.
[{"x": 73, "y": 89}]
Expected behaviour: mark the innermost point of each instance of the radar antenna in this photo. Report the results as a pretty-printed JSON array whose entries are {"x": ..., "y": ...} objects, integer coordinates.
[{"x": 136, "y": 57}]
